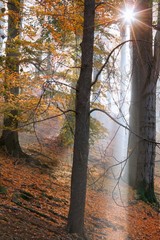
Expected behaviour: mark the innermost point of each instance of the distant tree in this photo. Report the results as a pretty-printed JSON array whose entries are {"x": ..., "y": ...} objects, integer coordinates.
[{"x": 145, "y": 72}]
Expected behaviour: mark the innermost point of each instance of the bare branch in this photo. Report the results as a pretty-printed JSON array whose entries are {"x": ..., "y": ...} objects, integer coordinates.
[
  {"x": 48, "y": 118},
  {"x": 112, "y": 51},
  {"x": 122, "y": 125},
  {"x": 104, "y": 65}
]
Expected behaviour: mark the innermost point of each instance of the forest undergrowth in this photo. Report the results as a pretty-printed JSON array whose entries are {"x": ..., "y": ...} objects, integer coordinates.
[{"x": 34, "y": 200}]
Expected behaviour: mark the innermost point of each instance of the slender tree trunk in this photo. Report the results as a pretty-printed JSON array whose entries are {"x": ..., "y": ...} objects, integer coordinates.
[
  {"x": 81, "y": 141},
  {"x": 145, "y": 72},
  {"x": 9, "y": 136}
]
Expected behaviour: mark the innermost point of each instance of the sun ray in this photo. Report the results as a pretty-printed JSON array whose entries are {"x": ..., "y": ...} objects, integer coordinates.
[{"x": 136, "y": 41}]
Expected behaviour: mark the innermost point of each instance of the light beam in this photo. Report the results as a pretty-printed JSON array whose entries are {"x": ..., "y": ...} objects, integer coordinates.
[{"x": 128, "y": 15}]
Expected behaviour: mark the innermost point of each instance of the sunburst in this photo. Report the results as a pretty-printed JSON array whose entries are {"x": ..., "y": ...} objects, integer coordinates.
[{"x": 128, "y": 15}]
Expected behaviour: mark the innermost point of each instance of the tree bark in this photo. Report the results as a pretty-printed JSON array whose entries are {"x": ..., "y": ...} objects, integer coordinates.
[
  {"x": 141, "y": 150},
  {"x": 9, "y": 137},
  {"x": 81, "y": 140}
]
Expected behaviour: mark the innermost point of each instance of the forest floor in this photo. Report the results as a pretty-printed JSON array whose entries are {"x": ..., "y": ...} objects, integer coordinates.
[{"x": 34, "y": 199}]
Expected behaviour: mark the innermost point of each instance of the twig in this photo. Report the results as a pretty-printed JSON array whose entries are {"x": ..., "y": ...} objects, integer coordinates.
[{"x": 122, "y": 125}]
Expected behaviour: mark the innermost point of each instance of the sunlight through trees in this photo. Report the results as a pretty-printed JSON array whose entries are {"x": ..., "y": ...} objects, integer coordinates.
[{"x": 79, "y": 98}]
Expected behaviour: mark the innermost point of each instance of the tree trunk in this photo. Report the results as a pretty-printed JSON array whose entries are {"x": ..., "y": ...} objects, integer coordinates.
[
  {"x": 81, "y": 141},
  {"x": 9, "y": 136},
  {"x": 146, "y": 158},
  {"x": 141, "y": 149}
]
